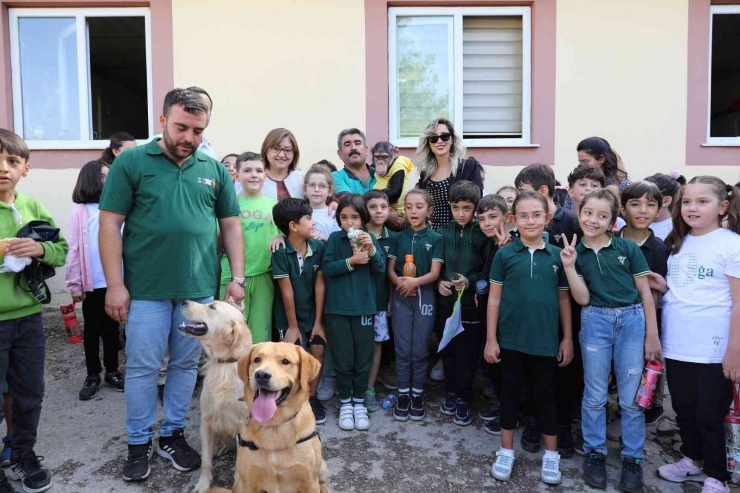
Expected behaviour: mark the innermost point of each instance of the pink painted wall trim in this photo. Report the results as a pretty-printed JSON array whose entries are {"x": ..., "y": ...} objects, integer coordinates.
[
  {"x": 162, "y": 69},
  {"x": 543, "y": 78},
  {"x": 697, "y": 91}
]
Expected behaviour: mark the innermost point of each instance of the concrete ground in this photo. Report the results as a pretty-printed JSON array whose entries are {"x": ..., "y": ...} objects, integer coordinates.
[{"x": 84, "y": 445}]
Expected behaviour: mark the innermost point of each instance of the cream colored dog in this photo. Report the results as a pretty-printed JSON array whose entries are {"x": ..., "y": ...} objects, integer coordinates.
[{"x": 221, "y": 329}]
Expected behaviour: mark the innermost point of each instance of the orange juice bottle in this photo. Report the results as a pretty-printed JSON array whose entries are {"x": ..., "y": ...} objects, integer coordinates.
[{"x": 409, "y": 267}]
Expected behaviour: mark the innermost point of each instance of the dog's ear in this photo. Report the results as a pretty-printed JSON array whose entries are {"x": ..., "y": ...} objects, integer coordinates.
[
  {"x": 243, "y": 366},
  {"x": 310, "y": 368}
]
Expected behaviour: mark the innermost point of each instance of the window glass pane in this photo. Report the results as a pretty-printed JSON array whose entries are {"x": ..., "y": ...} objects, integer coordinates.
[
  {"x": 48, "y": 59},
  {"x": 424, "y": 72},
  {"x": 725, "y": 104},
  {"x": 118, "y": 83}
]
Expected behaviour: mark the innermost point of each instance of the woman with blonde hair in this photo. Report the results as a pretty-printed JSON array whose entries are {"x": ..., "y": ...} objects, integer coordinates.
[
  {"x": 280, "y": 154},
  {"x": 440, "y": 157}
]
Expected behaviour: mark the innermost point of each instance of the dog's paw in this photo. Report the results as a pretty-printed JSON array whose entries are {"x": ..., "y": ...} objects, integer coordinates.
[{"x": 203, "y": 486}]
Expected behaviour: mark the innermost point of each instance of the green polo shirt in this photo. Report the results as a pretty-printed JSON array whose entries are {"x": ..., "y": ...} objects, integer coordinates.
[
  {"x": 345, "y": 181},
  {"x": 425, "y": 245},
  {"x": 466, "y": 251},
  {"x": 382, "y": 284},
  {"x": 350, "y": 289},
  {"x": 529, "y": 313},
  {"x": 285, "y": 264},
  {"x": 611, "y": 271},
  {"x": 169, "y": 238}
]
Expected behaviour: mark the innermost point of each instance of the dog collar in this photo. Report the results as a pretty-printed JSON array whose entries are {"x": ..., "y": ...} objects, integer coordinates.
[
  {"x": 253, "y": 446},
  {"x": 228, "y": 360}
]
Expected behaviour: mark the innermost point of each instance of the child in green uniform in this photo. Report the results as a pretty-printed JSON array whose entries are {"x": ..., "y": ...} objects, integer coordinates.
[
  {"x": 258, "y": 228},
  {"x": 528, "y": 302},
  {"x": 413, "y": 302},
  {"x": 350, "y": 307},
  {"x": 299, "y": 300},
  {"x": 379, "y": 208}
]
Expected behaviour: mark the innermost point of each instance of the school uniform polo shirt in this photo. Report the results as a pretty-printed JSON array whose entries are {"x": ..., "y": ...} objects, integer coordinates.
[
  {"x": 382, "y": 284},
  {"x": 169, "y": 238},
  {"x": 529, "y": 312},
  {"x": 564, "y": 223},
  {"x": 611, "y": 271},
  {"x": 466, "y": 250},
  {"x": 425, "y": 245},
  {"x": 656, "y": 253},
  {"x": 287, "y": 263}
]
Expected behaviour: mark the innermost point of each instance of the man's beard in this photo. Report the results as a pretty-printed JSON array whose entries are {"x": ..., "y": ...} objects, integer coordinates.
[{"x": 172, "y": 146}]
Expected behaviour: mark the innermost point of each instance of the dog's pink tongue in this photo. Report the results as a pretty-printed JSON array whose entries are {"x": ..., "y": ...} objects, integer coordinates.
[{"x": 264, "y": 406}]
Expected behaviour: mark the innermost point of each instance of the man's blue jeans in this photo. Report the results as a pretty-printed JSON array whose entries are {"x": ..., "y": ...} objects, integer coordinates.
[
  {"x": 618, "y": 334},
  {"x": 151, "y": 329}
]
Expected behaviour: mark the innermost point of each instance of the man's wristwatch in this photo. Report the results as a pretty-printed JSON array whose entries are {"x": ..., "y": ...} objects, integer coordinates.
[{"x": 241, "y": 281}]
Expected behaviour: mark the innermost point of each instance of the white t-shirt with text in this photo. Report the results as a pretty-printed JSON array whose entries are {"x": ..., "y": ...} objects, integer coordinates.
[
  {"x": 324, "y": 223},
  {"x": 662, "y": 228},
  {"x": 696, "y": 309}
]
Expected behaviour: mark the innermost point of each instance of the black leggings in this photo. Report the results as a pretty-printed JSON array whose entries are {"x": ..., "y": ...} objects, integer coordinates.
[
  {"x": 516, "y": 368},
  {"x": 98, "y": 325},
  {"x": 701, "y": 397}
]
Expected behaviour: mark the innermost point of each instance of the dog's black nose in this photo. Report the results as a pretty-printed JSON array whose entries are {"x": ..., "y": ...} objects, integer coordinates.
[{"x": 262, "y": 376}]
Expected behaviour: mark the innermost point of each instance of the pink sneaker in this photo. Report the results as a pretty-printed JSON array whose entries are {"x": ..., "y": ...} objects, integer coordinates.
[
  {"x": 683, "y": 470},
  {"x": 711, "y": 485}
]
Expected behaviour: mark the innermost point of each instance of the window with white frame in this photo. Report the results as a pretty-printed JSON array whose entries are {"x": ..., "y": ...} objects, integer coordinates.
[
  {"x": 471, "y": 65},
  {"x": 80, "y": 75},
  {"x": 724, "y": 76}
]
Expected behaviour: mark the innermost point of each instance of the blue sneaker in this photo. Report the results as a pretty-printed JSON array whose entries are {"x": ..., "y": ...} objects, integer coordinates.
[{"x": 5, "y": 456}]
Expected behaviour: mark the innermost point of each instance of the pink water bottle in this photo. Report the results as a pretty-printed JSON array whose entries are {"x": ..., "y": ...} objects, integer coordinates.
[
  {"x": 649, "y": 384},
  {"x": 732, "y": 433},
  {"x": 71, "y": 324}
]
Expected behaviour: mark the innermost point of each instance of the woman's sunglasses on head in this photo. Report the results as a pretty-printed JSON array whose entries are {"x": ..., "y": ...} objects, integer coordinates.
[{"x": 445, "y": 137}]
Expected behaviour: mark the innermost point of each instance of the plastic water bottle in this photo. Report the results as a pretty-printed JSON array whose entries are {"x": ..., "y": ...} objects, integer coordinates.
[
  {"x": 389, "y": 402},
  {"x": 71, "y": 324},
  {"x": 649, "y": 384}
]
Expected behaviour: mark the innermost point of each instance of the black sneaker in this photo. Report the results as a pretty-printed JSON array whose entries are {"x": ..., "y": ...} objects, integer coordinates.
[
  {"x": 403, "y": 408},
  {"x": 594, "y": 470},
  {"x": 448, "y": 405},
  {"x": 462, "y": 413},
  {"x": 531, "y": 436},
  {"x": 5, "y": 486},
  {"x": 631, "y": 480},
  {"x": 115, "y": 380},
  {"x": 566, "y": 447},
  {"x": 493, "y": 427},
  {"x": 90, "y": 387},
  {"x": 579, "y": 444},
  {"x": 136, "y": 467},
  {"x": 319, "y": 413},
  {"x": 417, "y": 407},
  {"x": 177, "y": 450},
  {"x": 29, "y": 472},
  {"x": 654, "y": 415},
  {"x": 491, "y": 412}
]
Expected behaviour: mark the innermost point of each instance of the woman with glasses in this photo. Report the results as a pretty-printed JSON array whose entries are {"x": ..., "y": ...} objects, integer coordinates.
[
  {"x": 440, "y": 157},
  {"x": 280, "y": 154}
]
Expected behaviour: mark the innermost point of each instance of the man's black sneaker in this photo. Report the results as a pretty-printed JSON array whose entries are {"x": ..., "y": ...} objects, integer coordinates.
[
  {"x": 403, "y": 408},
  {"x": 631, "y": 480},
  {"x": 115, "y": 380},
  {"x": 566, "y": 447},
  {"x": 136, "y": 467},
  {"x": 448, "y": 405},
  {"x": 417, "y": 407},
  {"x": 594, "y": 470},
  {"x": 5, "y": 486},
  {"x": 319, "y": 412},
  {"x": 493, "y": 427},
  {"x": 29, "y": 472},
  {"x": 654, "y": 415},
  {"x": 462, "y": 413},
  {"x": 177, "y": 450},
  {"x": 531, "y": 436},
  {"x": 490, "y": 412},
  {"x": 90, "y": 387}
]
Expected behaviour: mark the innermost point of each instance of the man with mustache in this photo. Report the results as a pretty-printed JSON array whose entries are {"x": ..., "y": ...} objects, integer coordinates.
[
  {"x": 171, "y": 197},
  {"x": 357, "y": 176}
]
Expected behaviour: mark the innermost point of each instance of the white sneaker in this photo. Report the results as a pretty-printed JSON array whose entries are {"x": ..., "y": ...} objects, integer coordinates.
[
  {"x": 362, "y": 421},
  {"x": 711, "y": 485},
  {"x": 501, "y": 468},
  {"x": 346, "y": 417},
  {"x": 550, "y": 472},
  {"x": 438, "y": 372},
  {"x": 327, "y": 388},
  {"x": 683, "y": 470}
]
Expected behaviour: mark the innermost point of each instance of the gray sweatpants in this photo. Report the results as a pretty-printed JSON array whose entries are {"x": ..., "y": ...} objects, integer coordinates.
[{"x": 413, "y": 321}]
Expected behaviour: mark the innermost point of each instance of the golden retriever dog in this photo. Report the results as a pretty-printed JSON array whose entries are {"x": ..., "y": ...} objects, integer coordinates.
[
  {"x": 279, "y": 449},
  {"x": 221, "y": 329}
]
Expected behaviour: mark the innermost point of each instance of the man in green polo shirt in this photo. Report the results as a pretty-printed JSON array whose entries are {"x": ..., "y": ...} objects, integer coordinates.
[
  {"x": 171, "y": 198},
  {"x": 357, "y": 176}
]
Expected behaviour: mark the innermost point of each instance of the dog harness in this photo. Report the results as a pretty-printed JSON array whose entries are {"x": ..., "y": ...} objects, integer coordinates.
[{"x": 253, "y": 446}]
